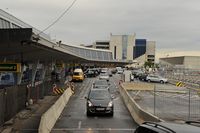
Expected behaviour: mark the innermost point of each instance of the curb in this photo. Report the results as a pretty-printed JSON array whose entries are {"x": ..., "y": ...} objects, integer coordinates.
[
  {"x": 50, "y": 117},
  {"x": 137, "y": 113}
]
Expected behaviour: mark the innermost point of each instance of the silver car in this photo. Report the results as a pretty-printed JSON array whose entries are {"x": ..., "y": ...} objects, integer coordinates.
[
  {"x": 104, "y": 76},
  {"x": 156, "y": 78}
]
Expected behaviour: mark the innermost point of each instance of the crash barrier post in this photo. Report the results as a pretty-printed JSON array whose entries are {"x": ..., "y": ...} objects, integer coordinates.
[
  {"x": 50, "y": 117},
  {"x": 137, "y": 113},
  {"x": 60, "y": 90},
  {"x": 179, "y": 84}
]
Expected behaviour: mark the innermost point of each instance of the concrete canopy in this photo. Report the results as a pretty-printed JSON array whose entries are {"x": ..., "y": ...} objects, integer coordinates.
[{"x": 22, "y": 45}]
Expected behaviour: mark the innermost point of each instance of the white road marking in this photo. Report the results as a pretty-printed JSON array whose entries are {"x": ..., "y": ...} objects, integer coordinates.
[
  {"x": 79, "y": 125},
  {"x": 93, "y": 129}
]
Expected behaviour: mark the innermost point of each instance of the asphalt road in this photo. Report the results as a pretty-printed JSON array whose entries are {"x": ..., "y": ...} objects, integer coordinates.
[{"x": 74, "y": 119}]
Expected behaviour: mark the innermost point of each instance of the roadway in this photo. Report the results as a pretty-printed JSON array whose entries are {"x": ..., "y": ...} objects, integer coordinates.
[{"x": 74, "y": 120}]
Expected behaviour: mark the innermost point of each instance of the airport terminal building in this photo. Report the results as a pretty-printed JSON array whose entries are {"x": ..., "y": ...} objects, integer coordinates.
[{"x": 128, "y": 47}]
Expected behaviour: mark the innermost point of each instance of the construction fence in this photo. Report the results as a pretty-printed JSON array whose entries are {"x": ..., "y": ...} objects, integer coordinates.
[
  {"x": 168, "y": 102},
  {"x": 15, "y": 98}
]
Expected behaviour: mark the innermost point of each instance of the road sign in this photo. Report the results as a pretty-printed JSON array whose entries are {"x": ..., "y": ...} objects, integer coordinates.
[
  {"x": 10, "y": 67},
  {"x": 60, "y": 65}
]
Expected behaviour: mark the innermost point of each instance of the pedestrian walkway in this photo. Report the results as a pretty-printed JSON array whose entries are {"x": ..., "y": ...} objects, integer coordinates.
[{"x": 28, "y": 120}]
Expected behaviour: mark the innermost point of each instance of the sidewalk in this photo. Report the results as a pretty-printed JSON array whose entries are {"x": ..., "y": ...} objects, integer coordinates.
[{"x": 28, "y": 120}]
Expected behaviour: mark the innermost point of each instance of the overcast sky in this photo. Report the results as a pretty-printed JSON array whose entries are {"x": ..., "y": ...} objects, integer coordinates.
[{"x": 173, "y": 24}]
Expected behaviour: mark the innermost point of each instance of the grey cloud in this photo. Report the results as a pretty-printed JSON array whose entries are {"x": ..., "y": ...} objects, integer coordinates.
[{"x": 172, "y": 24}]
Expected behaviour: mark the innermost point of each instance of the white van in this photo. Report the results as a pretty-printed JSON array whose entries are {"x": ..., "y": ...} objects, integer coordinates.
[{"x": 119, "y": 70}]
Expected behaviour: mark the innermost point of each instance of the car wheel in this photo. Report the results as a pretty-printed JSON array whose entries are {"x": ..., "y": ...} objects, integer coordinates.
[
  {"x": 162, "y": 82},
  {"x": 111, "y": 114},
  {"x": 149, "y": 80},
  {"x": 88, "y": 113}
]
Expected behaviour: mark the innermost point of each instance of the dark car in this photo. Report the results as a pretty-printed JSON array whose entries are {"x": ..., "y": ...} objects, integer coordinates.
[
  {"x": 114, "y": 71},
  {"x": 90, "y": 73},
  {"x": 143, "y": 76},
  {"x": 167, "y": 127},
  {"x": 99, "y": 101},
  {"x": 101, "y": 84},
  {"x": 136, "y": 73}
]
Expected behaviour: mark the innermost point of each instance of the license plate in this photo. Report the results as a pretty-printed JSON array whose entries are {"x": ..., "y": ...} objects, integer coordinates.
[{"x": 99, "y": 109}]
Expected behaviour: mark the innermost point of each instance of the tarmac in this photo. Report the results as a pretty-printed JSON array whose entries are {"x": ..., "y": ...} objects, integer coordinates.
[{"x": 28, "y": 120}]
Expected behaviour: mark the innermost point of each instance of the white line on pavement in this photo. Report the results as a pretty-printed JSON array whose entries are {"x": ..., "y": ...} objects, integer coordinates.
[{"x": 79, "y": 125}]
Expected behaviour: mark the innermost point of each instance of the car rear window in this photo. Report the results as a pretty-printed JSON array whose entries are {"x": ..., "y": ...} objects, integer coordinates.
[{"x": 76, "y": 73}]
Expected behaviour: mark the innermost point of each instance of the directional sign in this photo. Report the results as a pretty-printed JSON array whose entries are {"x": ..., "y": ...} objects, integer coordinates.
[
  {"x": 60, "y": 65},
  {"x": 10, "y": 67}
]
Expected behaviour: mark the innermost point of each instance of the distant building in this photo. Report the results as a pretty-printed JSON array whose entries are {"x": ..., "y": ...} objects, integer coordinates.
[
  {"x": 102, "y": 45},
  {"x": 122, "y": 46},
  {"x": 187, "y": 62},
  {"x": 150, "y": 51},
  {"x": 127, "y": 47},
  {"x": 139, "y": 48}
]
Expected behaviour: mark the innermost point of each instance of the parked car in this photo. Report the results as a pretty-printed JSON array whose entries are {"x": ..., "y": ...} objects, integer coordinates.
[
  {"x": 156, "y": 78},
  {"x": 104, "y": 70},
  {"x": 114, "y": 71},
  {"x": 110, "y": 73},
  {"x": 166, "y": 127},
  {"x": 99, "y": 101},
  {"x": 136, "y": 73},
  {"x": 90, "y": 73},
  {"x": 104, "y": 76},
  {"x": 143, "y": 76},
  {"x": 119, "y": 70}
]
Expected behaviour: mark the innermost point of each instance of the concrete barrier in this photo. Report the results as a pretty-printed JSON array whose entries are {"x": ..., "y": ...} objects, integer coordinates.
[
  {"x": 137, "y": 113},
  {"x": 50, "y": 117}
]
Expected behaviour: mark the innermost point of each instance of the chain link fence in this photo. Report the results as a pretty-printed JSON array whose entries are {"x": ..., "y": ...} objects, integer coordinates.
[
  {"x": 190, "y": 77},
  {"x": 168, "y": 102},
  {"x": 181, "y": 104}
]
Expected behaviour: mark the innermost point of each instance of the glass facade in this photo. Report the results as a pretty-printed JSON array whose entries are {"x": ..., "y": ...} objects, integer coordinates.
[
  {"x": 4, "y": 24},
  {"x": 89, "y": 53},
  {"x": 140, "y": 48},
  {"x": 15, "y": 26},
  {"x": 124, "y": 46}
]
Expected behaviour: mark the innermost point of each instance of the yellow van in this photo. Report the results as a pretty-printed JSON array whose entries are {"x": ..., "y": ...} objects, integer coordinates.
[{"x": 78, "y": 75}]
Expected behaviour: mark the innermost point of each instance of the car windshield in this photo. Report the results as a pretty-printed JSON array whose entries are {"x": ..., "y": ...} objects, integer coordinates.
[{"x": 99, "y": 94}]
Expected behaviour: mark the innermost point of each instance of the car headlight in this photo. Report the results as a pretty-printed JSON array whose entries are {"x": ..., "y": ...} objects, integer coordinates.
[
  {"x": 90, "y": 104},
  {"x": 110, "y": 104}
]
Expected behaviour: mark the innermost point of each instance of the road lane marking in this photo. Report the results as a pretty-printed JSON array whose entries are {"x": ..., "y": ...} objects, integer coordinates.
[
  {"x": 93, "y": 129},
  {"x": 79, "y": 125}
]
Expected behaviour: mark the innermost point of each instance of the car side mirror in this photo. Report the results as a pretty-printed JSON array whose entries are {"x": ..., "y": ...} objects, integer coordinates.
[{"x": 112, "y": 96}]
